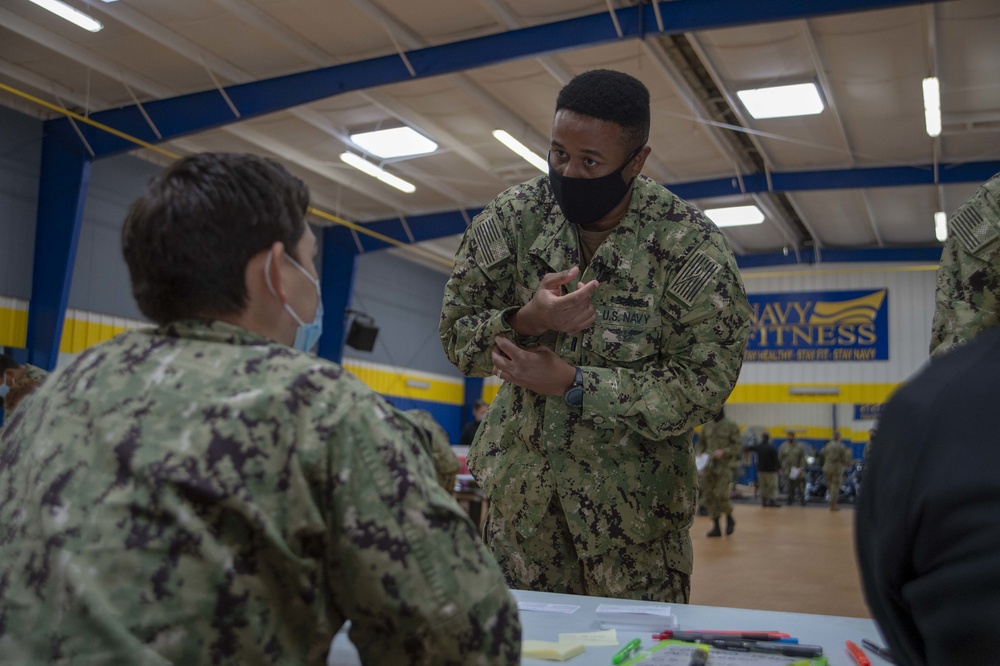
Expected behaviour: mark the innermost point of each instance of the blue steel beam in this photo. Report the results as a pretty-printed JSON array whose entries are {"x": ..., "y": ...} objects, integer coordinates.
[
  {"x": 449, "y": 223},
  {"x": 62, "y": 191},
  {"x": 204, "y": 110},
  {"x": 337, "y": 282}
]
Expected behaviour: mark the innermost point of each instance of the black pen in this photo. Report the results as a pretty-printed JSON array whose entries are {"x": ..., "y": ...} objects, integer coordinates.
[
  {"x": 878, "y": 649},
  {"x": 784, "y": 649}
]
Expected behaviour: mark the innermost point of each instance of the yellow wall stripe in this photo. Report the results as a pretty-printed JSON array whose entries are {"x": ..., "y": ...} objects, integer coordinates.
[
  {"x": 400, "y": 383},
  {"x": 780, "y": 394}
]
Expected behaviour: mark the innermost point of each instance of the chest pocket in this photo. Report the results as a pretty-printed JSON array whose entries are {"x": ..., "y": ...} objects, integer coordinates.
[{"x": 625, "y": 334}]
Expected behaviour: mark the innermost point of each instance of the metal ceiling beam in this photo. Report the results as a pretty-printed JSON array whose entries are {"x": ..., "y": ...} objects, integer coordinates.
[
  {"x": 448, "y": 223},
  {"x": 207, "y": 109}
]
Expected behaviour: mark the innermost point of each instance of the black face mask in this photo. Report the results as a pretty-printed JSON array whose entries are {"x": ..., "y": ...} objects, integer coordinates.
[{"x": 586, "y": 200}]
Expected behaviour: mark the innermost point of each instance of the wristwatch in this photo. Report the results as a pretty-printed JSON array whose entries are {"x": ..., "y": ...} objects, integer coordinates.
[{"x": 574, "y": 394}]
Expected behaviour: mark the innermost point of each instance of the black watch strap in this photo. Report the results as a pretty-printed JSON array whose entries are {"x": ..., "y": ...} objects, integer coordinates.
[{"x": 574, "y": 394}]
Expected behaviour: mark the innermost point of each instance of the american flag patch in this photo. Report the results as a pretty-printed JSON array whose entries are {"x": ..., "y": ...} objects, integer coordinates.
[
  {"x": 490, "y": 244},
  {"x": 971, "y": 229},
  {"x": 693, "y": 277}
]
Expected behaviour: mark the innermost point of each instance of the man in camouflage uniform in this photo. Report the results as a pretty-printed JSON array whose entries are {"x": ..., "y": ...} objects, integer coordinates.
[
  {"x": 767, "y": 470},
  {"x": 967, "y": 300},
  {"x": 836, "y": 458},
  {"x": 18, "y": 382},
  {"x": 722, "y": 444},
  {"x": 204, "y": 493},
  {"x": 793, "y": 457},
  {"x": 615, "y": 315}
]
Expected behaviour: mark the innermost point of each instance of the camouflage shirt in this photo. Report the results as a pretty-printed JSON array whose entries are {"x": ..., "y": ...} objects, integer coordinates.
[
  {"x": 662, "y": 357},
  {"x": 197, "y": 494},
  {"x": 836, "y": 457},
  {"x": 792, "y": 455},
  {"x": 724, "y": 436},
  {"x": 967, "y": 300}
]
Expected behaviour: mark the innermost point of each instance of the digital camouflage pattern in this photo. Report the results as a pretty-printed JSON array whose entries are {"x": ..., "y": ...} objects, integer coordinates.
[
  {"x": 662, "y": 357},
  {"x": 722, "y": 436},
  {"x": 197, "y": 494},
  {"x": 439, "y": 448},
  {"x": 967, "y": 300}
]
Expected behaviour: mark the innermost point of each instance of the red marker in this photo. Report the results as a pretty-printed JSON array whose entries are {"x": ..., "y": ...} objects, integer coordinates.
[
  {"x": 745, "y": 635},
  {"x": 857, "y": 654}
]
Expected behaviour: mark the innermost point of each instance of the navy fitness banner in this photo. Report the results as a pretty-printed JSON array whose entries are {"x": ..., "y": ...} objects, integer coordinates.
[{"x": 819, "y": 326}]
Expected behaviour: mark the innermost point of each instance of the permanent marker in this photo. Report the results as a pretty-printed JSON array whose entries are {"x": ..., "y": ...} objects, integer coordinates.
[
  {"x": 857, "y": 654},
  {"x": 766, "y": 646},
  {"x": 699, "y": 657},
  {"x": 624, "y": 653},
  {"x": 878, "y": 649}
]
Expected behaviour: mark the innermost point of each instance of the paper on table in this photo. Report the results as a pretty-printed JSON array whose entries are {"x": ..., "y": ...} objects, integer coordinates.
[
  {"x": 635, "y": 616},
  {"x": 609, "y": 637},
  {"x": 546, "y": 608},
  {"x": 550, "y": 650}
]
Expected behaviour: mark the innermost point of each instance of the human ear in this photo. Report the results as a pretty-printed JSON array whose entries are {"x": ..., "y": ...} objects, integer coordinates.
[{"x": 637, "y": 162}]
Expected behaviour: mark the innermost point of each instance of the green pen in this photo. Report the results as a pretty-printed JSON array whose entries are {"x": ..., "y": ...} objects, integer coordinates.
[{"x": 624, "y": 653}]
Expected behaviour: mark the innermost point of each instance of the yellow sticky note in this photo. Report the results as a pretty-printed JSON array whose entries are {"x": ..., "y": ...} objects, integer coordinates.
[
  {"x": 550, "y": 650},
  {"x": 609, "y": 637}
]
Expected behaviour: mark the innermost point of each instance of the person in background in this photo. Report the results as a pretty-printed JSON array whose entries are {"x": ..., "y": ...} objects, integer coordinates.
[
  {"x": 928, "y": 521},
  {"x": 438, "y": 448},
  {"x": 721, "y": 438},
  {"x": 967, "y": 300},
  {"x": 836, "y": 458},
  {"x": 18, "y": 381},
  {"x": 206, "y": 492},
  {"x": 615, "y": 316},
  {"x": 767, "y": 470},
  {"x": 793, "y": 468},
  {"x": 470, "y": 429},
  {"x": 868, "y": 445}
]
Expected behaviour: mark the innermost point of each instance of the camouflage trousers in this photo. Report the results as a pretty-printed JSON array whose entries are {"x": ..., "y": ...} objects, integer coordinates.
[
  {"x": 796, "y": 488},
  {"x": 548, "y": 562},
  {"x": 715, "y": 487},
  {"x": 767, "y": 483}
]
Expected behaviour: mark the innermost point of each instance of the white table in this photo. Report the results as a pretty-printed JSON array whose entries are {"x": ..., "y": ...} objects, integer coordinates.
[{"x": 829, "y": 631}]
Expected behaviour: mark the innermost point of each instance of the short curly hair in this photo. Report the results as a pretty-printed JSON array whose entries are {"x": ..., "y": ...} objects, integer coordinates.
[
  {"x": 612, "y": 96},
  {"x": 188, "y": 239}
]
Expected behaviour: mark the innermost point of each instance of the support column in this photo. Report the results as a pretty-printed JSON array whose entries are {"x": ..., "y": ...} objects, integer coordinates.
[
  {"x": 62, "y": 191},
  {"x": 339, "y": 262}
]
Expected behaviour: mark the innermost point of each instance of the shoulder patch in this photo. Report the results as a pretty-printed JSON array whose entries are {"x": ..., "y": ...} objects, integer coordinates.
[
  {"x": 971, "y": 229},
  {"x": 490, "y": 244},
  {"x": 693, "y": 277}
]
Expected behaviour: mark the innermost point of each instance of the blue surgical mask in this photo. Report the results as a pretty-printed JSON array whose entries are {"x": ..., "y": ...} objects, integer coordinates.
[
  {"x": 4, "y": 388},
  {"x": 306, "y": 335}
]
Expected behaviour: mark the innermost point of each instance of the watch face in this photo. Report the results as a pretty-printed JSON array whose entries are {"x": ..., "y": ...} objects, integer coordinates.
[{"x": 574, "y": 396}]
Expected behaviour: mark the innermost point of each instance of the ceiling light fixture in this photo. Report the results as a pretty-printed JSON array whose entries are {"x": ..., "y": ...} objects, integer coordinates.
[
  {"x": 74, "y": 16},
  {"x": 522, "y": 150},
  {"x": 941, "y": 226},
  {"x": 362, "y": 164},
  {"x": 800, "y": 99},
  {"x": 735, "y": 216},
  {"x": 932, "y": 106},
  {"x": 395, "y": 142}
]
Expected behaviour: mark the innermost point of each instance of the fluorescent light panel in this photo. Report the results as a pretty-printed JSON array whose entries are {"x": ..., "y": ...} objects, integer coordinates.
[
  {"x": 522, "y": 150},
  {"x": 800, "y": 99},
  {"x": 941, "y": 226},
  {"x": 735, "y": 216},
  {"x": 362, "y": 164},
  {"x": 74, "y": 16},
  {"x": 932, "y": 106},
  {"x": 395, "y": 142}
]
